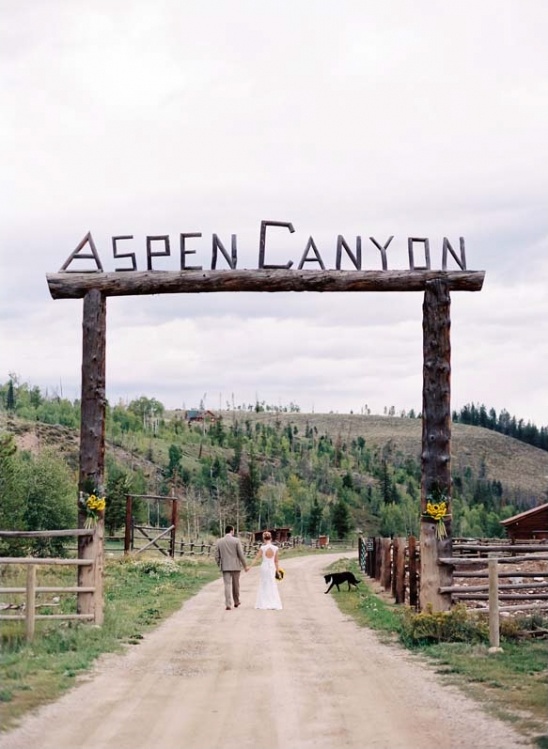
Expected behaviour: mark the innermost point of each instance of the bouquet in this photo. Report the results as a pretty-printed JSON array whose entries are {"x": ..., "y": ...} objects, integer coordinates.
[
  {"x": 94, "y": 507},
  {"x": 436, "y": 510},
  {"x": 279, "y": 574}
]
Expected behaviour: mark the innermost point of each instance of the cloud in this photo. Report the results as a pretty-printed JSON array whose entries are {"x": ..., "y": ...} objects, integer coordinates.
[{"x": 349, "y": 118}]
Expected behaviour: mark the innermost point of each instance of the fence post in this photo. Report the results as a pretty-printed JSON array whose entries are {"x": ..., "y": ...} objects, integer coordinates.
[
  {"x": 494, "y": 623},
  {"x": 98, "y": 569},
  {"x": 372, "y": 557},
  {"x": 413, "y": 587},
  {"x": 174, "y": 523},
  {"x": 378, "y": 557},
  {"x": 395, "y": 544},
  {"x": 386, "y": 563},
  {"x": 30, "y": 609},
  {"x": 398, "y": 569},
  {"x": 128, "y": 535}
]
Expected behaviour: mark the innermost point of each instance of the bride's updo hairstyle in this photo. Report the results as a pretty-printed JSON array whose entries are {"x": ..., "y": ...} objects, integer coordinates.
[{"x": 267, "y": 536}]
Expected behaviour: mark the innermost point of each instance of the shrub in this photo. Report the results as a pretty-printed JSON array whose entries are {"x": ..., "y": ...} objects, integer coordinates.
[{"x": 455, "y": 625}]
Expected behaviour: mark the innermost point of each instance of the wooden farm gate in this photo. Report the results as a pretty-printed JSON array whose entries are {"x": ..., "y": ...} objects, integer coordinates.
[
  {"x": 153, "y": 534},
  {"x": 94, "y": 286}
]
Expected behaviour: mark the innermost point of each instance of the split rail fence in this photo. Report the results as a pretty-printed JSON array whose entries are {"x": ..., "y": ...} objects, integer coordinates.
[
  {"x": 486, "y": 574},
  {"x": 32, "y": 589}
]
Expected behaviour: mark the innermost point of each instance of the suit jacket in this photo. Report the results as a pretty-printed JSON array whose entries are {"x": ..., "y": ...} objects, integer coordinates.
[{"x": 229, "y": 554}]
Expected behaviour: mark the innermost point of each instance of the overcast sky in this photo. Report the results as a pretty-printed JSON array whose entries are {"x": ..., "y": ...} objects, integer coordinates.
[{"x": 408, "y": 118}]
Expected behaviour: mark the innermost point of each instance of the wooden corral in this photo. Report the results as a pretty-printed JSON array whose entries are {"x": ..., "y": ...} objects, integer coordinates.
[
  {"x": 532, "y": 524},
  {"x": 395, "y": 565}
]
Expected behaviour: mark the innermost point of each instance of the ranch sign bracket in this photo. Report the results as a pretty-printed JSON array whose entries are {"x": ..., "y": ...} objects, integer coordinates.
[{"x": 94, "y": 286}]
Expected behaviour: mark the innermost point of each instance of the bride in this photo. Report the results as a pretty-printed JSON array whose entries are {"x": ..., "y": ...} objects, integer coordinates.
[{"x": 268, "y": 596}]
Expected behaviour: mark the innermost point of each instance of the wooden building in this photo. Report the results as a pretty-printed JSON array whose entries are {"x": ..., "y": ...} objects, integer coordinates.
[
  {"x": 199, "y": 415},
  {"x": 532, "y": 524},
  {"x": 279, "y": 535}
]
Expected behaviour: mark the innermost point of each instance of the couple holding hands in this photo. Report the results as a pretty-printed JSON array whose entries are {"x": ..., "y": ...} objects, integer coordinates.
[{"x": 230, "y": 558}]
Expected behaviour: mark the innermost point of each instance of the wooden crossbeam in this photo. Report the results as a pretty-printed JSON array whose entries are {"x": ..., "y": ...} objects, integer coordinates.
[{"x": 127, "y": 283}]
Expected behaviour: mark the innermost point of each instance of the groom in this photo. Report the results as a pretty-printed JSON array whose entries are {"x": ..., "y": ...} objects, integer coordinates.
[{"x": 229, "y": 555}]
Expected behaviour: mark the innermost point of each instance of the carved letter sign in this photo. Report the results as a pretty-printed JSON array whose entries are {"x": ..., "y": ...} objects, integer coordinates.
[{"x": 160, "y": 246}]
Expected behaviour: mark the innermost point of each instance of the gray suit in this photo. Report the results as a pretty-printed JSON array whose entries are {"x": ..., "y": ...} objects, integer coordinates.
[{"x": 229, "y": 555}]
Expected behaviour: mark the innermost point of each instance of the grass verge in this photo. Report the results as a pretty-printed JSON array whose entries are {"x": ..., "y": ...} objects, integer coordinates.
[
  {"x": 512, "y": 685},
  {"x": 138, "y": 595}
]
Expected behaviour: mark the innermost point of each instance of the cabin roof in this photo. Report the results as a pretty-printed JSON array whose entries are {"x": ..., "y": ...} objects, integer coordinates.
[{"x": 527, "y": 513}]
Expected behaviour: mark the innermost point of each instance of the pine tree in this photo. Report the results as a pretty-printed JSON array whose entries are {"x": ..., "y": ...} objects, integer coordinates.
[
  {"x": 340, "y": 519},
  {"x": 315, "y": 518},
  {"x": 10, "y": 397}
]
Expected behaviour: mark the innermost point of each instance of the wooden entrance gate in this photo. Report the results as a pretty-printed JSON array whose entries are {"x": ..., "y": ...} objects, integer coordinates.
[
  {"x": 153, "y": 534},
  {"x": 95, "y": 286}
]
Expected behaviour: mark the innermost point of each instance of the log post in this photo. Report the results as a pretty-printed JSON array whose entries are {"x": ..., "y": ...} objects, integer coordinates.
[
  {"x": 494, "y": 620},
  {"x": 92, "y": 445},
  {"x": 98, "y": 544},
  {"x": 395, "y": 544},
  {"x": 412, "y": 564},
  {"x": 436, "y": 446},
  {"x": 371, "y": 557},
  {"x": 398, "y": 587},
  {"x": 378, "y": 557},
  {"x": 174, "y": 523},
  {"x": 128, "y": 534},
  {"x": 386, "y": 563},
  {"x": 30, "y": 609},
  {"x": 361, "y": 553}
]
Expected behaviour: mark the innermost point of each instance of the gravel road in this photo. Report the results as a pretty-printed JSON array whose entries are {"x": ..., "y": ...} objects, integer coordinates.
[{"x": 303, "y": 678}]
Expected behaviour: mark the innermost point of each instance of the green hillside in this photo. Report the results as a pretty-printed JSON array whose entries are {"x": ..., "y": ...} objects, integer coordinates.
[{"x": 338, "y": 474}]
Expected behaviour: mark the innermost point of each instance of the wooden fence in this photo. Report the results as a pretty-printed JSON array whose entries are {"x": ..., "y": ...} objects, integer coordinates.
[
  {"x": 33, "y": 564},
  {"x": 163, "y": 544},
  {"x": 478, "y": 567},
  {"x": 394, "y": 563}
]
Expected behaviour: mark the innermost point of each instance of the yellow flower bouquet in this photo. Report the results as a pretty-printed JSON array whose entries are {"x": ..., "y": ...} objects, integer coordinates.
[
  {"x": 436, "y": 509},
  {"x": 94, "y": 507}
]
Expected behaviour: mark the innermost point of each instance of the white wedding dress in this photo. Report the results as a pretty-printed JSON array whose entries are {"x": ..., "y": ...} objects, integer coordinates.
[{"x": 268, "y": 596}]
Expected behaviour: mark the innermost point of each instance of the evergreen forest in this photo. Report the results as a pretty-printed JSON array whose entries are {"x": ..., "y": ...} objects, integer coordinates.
[{"x": 229, "y": 468}]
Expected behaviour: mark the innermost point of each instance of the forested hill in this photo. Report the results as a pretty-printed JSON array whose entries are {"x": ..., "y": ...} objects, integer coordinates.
[
  {"x": 493, "y": 456},
  {"x": 504, "y": 423},
  {"x": 316, "y": 473}
]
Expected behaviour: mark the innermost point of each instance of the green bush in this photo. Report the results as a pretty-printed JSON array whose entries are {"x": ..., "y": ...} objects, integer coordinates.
[
  {"x": 515, "y": 628},
  {"x": 445, "y": 626}
]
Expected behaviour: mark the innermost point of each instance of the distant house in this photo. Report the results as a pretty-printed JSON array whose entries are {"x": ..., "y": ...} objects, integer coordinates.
[
  {"x": 279, "y": 535},
  {"x": 532, "y": 524},
  {"x": 199, "y": 415}
]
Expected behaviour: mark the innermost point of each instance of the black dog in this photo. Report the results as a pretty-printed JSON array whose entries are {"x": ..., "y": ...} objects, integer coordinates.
[{"x": 338, "y": 578}]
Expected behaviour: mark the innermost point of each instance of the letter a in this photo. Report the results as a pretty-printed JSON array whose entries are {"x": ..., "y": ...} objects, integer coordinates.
[{"x": 77, "y": 255}]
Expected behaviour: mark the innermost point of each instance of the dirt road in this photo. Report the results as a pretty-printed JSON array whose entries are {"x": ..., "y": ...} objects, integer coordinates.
[{"x": 302, "y": 678}]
